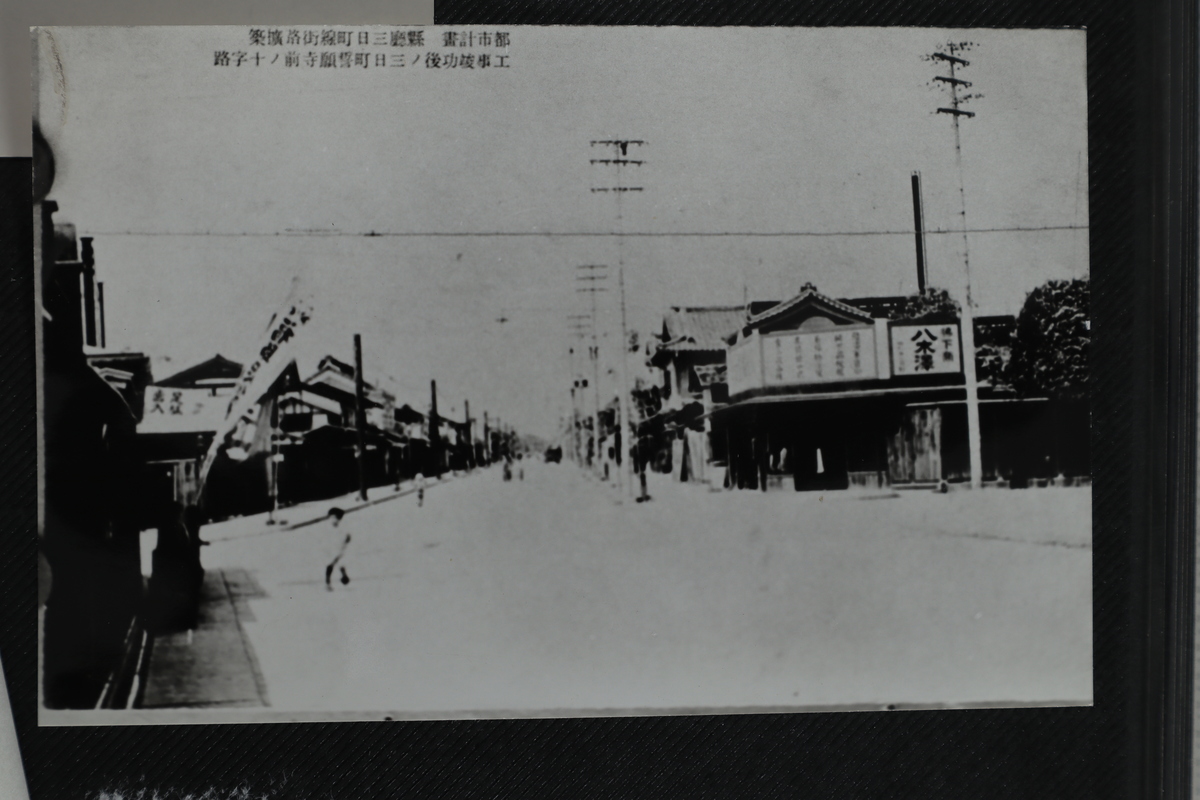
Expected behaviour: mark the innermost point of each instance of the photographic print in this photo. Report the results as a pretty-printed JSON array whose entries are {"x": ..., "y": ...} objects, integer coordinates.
[{"x": 427, "y": 373}]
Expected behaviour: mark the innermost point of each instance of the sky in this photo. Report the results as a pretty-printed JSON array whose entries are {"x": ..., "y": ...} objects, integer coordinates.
[{"x": 443, "y": 213}]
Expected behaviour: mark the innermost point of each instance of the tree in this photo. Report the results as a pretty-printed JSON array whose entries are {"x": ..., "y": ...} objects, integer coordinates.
[
  {"x": 930, "y": 303},
  {"x": 1050, "y": 348},
  {"x": 991, "y": 363}
]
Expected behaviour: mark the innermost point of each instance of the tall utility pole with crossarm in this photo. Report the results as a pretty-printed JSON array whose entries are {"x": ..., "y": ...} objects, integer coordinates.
[
  {"x": 952, "y": 59},
  {"x": 622, "y": 154},
  {"x": 589, "y": 278}
]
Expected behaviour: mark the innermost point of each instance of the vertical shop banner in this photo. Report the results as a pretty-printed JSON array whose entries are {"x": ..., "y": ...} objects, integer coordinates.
[{"x": 275, "y": 351}]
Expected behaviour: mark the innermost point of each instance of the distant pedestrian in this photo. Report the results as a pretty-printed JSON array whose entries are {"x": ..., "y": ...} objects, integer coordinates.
[
  {"x": 335, "y": 517},
  {"x": 640, "y": 460},
  {"x": 420, "y": 481}
]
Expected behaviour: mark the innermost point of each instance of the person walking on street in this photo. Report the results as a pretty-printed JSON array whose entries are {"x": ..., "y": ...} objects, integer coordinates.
[
  {"x": 641, "y": 458},
  {"x": 420, "y": 481},
  {"x": 335, "y": 516}
]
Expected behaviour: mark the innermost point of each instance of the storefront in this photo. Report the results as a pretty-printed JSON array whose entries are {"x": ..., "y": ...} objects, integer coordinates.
[{"x": 825, "y": 396}]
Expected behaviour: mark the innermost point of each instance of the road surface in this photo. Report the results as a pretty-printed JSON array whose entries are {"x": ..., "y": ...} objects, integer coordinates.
[{"x": 548, "y": 596}]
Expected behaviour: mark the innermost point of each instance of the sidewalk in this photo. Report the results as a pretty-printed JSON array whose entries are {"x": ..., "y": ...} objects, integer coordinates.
[
  {"x": 212, "y": 665},
  {"x": 310, "y": 513}
]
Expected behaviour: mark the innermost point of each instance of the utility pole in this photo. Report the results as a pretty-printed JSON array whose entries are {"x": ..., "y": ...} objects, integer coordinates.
[
  {"x": 581, "y": 327},
  {"x": 470, "y": 438},
  {"x": 487, "y": 440},
  {"x": 620, "y": 159},
  {"x": 955, "y": 63},
  {"x": 89, "y": 291},
  {"x": 100, "y": 309},
  {"x": 273, "y": 462},
  {"x": 626, "y": 430},
  {"x": 574, "y": 405},
  {"x": 435, "y": 435},
  {"x": 589, "y": 278},
  {"x": 360, "y": 418}
]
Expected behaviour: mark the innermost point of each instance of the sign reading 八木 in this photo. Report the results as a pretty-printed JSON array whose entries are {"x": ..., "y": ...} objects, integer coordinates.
[{"x": 923, "y": 349}]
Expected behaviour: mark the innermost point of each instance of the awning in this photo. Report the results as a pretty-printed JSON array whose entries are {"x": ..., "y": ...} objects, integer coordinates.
[
  {"x": 812, "y": 397},
  {"x": 672, "y": 420}
]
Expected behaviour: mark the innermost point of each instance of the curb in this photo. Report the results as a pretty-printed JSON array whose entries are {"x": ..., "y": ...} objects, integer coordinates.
[
  {"x": 367, "y": 504},
  {"x": 123, "y": 682}
]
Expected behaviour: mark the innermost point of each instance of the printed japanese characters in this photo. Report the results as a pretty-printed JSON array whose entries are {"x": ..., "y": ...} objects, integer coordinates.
[{"x": 649, "y": 378}]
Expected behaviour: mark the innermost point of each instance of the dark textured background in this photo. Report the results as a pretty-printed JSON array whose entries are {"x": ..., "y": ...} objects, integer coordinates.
[{"x": 1105, "y": 751}]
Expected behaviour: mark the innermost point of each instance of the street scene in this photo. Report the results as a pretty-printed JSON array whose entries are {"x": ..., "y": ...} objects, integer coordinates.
[
  {"x": 356, "y": 413},
  {"x": 491, "y": 600}
]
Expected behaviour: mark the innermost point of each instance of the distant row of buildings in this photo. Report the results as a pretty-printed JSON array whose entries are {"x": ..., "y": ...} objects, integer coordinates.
[
  {"x": 301, "y": 445},
  {"x": 122, "y": 452},
  {"x": 820, "y": 393}
]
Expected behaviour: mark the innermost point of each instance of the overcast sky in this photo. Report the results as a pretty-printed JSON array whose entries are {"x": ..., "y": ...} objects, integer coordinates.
[{"x": 208, "y": 188}]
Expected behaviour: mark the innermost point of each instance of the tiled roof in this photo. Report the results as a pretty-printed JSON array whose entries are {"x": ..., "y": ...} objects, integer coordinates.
[
  {"x": 701, "y": 328},
  {"x": 216, "y": 368},
  {"x": 806, "y": 294}
]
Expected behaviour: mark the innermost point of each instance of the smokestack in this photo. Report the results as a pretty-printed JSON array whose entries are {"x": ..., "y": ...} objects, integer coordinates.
[
  {"x": 919, "y": 226},
  {"x": 435, "y": 438},
  {"x": 360, "y": 417}
]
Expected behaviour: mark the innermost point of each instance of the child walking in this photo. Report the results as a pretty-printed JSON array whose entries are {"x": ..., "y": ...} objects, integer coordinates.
[{"x": 335, "y": 516}]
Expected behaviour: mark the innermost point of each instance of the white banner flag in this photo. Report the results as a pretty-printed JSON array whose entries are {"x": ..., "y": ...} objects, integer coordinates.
[{"x": 272, "y": 356}]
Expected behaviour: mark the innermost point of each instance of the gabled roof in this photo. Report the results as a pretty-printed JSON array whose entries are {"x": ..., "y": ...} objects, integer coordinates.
[
  {"x": 339, "y": 388},
  {"x": 335, "y": 379},
  {"x": 408, "y": 414},
  {"x": 701, "y": 327},
  {"x": 331, "y": 363},
  {"x": 217, "y": 369},
  {"x": 809, "y": 297},
  {"x": 884, "y": 307}
]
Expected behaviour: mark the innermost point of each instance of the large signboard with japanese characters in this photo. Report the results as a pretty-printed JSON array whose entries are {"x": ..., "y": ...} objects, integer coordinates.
[
  {"x": 924, "y": 349},
  {"x": 830, "y": 356},
  {"x": 792, "y": 358},
  {"x": 169, "y": 410},
  {"x": 743, "y": 367}
]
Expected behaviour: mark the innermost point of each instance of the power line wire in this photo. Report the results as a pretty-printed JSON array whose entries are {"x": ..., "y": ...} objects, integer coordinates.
[{"x": 582, "y": 234}]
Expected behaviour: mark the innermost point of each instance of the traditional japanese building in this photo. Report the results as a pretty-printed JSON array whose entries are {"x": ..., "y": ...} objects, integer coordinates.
[
  {"x": 218, "y": 375},
  {"x": 89, "y": 514},
  {"x": 820, "y": 393},
  {"x": 319, "y": 440},
  {"x": 827, "y": 394},
  {"x": 691, "y": 357}
]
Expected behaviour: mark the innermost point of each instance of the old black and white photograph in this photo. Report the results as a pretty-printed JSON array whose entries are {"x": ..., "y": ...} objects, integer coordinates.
[{"x": 418, "y": 372}]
